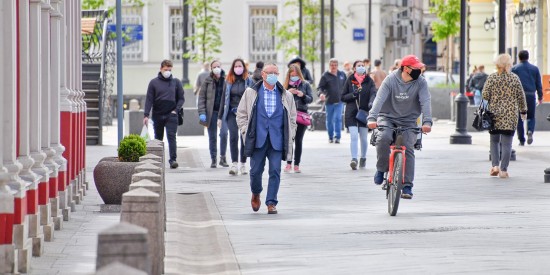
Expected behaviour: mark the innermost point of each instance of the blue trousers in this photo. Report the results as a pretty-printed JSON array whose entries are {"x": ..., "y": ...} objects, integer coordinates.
[
  {"x": 257, "y": 164},
  {"x": 531, "y": 106},
  {"x": 334, "y": 120},
  {"x": 212, "y": 136},
  {"x": 170, "y": 122}
]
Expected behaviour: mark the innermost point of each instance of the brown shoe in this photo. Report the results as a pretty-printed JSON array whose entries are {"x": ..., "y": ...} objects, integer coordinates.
[
  {"x": 255, "y": 202},
  {"x": 503, "y": 175},
  {"x": 271, "y": 209},
  {"x": 494, "y": 171}
]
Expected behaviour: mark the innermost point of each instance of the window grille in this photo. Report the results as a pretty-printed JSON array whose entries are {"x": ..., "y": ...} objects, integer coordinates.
[
  {"x": 263, "y": 22},
  {"x": 175, "y": 21},
  {"x": 132, "y": 51}
]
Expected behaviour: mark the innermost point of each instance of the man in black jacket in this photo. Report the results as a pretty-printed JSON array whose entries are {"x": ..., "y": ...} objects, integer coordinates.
[
  {"x": 330, "y": 90},
  {"x": 165, "y": 96},
  {"x": 477, "y": 83}
]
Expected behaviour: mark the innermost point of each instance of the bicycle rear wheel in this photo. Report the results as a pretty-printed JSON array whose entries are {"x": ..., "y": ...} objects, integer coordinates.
[{"x": 396, "y": 186}]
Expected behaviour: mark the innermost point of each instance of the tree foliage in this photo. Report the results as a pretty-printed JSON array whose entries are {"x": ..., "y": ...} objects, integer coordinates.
[
  {"x": 288, "y": 32},
  {"x": 448, "y": 15},
  {"x": 207, "y": 39},
  {"x": 100, "y": 4}
]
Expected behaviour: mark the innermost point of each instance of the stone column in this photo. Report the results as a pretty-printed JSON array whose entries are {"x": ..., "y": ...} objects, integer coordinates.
[
  {"x": 8, "y": 263},
  {"x": 67, "y": 109},
  {"x": 37, "y": 154},
  {"x": 77, "y": 83},
  {"x": 29, "y": 180},
  {"x": 55, "y": 90},
  {"x": 83, "y": 115},
  {"x": 142, "y": 207},
  {"x": 126, "y": 243},
  {"x": 45, "y": 136}
]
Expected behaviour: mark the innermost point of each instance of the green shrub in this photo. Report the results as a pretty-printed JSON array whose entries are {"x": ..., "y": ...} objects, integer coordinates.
[{"x": 131, "y": 148}]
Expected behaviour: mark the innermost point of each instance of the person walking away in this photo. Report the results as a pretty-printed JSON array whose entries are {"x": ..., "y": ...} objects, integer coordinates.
[
  {"x": 235, "y": 84},
  {"x": 469, "y": 93},
  {"x": 330, "y": 90},
  {"x": 203, "y": 74},
  {"x": 477, "y": 83},
  {"x": 210, "y": 102},
  {"x": 257, "y": 75},
  {"x": 302, "y": 93},
  {"x": 378, "y": 74},
  {"x": 401, "y": 99},
  {"x": 359, "y": 93},
  {"x": 305, "y": 72},
  {"x": 165, "y": 97},
  {"x": 396, "y": 65},
  {"x": 530, "y": 78},
  {"x": 266, "y": 117},
  {"x": 505, "y": 97}
]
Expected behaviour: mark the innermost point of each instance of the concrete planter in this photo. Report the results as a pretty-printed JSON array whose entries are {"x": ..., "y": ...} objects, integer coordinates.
[{"x": 113, "y": 178}]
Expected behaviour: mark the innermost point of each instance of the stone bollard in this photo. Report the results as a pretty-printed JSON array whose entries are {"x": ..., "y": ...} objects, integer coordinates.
[
  {"x": 547, "y": 175},
  {"x": 142, "y": 207},
  {"x": 8, "y": 263},
  {"x": 156, "y": 178},
  {"x": 126, "y": 243},
  {"x": 119, "y": 268},
  {"x": 150, "y": 161},
  {"x": 156, "y": 147}
]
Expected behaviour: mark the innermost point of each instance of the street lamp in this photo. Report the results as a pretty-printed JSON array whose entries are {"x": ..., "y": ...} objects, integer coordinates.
[
  {"x": 490, "y": 24},
  {"x": 533, "y": 14}
]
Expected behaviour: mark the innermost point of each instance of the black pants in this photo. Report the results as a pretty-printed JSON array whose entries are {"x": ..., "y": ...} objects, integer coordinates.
[
  {"x": 170, "y": 122},
  {"x": 298, "y": 141},
  {"x": 234, "y": 137}
]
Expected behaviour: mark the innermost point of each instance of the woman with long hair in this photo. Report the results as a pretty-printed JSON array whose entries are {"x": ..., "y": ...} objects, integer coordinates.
[
  {"x": 301, "y": 90},
  {"x": 358, "y": 94},
  {"x": 505, "y": 98},
  {"x": 236, "y": 82}
]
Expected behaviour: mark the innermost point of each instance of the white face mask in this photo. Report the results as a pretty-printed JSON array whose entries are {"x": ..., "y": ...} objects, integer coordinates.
[
  {"x": 166, "y": 74},
  {"x": 217, "y": 70}
]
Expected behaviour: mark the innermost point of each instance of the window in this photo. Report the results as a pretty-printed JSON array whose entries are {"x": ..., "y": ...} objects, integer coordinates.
[
  {"x": 133, "y": 51},
  {"x": 263, "y": 22},
  {"x": 175, "y": 21}
]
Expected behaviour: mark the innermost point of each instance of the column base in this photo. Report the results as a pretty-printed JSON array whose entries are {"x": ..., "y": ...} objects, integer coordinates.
[
  {"x": 87, "y": 184},
  {"x": 57, "y": 223},
  {"x": 36, "y": 233},
  {"x": 23, "y": 260},
  {"x": 48, "y": 230},
  {"x": 57, "y": 218},
  {"x": 8, "y": 261},
  {"x": 66, "y": 214},
  {"x": 63, "y": 206}
]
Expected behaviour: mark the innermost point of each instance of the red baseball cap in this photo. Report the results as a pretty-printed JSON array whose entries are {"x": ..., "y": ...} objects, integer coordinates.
[{"x": 412, "y": 61}]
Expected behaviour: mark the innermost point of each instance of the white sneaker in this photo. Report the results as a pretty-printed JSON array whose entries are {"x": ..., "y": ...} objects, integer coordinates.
[
  {"x": 233, "y": 171},
  {"x": 244, "y": 171}
]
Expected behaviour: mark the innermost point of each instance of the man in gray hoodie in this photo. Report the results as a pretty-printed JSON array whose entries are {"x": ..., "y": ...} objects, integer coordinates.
[{"x": 401, "y": 99}]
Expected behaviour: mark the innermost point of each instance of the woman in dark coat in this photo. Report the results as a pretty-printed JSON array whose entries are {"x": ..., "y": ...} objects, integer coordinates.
[
  {"x": 303, "y": 69},
  {"x": 359, "y": 93},
  {"x": 301, "y": 90}
]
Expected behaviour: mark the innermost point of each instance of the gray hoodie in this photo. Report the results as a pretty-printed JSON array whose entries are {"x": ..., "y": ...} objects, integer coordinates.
[{"x": 402, "y": 102}]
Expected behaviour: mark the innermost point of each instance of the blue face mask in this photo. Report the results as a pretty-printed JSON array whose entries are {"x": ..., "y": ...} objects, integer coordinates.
[
  {"x": 294, "y": 78},
  {"x": 360, "y": 69},
  {"x": 271, "y": 79}
]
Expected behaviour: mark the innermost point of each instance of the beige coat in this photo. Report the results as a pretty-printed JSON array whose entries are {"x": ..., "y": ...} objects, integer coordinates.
[{"x": 246, "y": 107}]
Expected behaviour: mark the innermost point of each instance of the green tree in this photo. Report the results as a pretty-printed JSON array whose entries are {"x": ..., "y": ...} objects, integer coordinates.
[
  {"x": 446, "y": 28},
  {"x": 207, "y": 39},
  {"x": 288, "y": 32},
  {"x": 100, "y": 4}
]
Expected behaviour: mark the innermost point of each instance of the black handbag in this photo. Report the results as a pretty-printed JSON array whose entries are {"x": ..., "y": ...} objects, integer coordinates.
[{"x": 484, "y": 120}]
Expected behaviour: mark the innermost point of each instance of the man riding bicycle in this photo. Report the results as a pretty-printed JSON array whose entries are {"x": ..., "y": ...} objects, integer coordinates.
[{"x": 400, "y": 100}]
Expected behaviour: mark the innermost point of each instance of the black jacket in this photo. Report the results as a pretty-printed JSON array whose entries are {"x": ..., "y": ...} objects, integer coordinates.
[
  {"x": 164, "y": 95},
  {"x": 478, "y": 81},
  {"x": 331, "y": 86},
  {"x": 302, "y": 102},
  {"x": 364, "y": 98}
]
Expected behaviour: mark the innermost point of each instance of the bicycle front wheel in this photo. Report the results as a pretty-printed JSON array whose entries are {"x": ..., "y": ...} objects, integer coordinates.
[{"x": 396, "y": 185}]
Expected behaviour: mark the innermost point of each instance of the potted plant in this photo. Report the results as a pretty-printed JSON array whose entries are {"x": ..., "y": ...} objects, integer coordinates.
[{"x": 113, "y": 175}]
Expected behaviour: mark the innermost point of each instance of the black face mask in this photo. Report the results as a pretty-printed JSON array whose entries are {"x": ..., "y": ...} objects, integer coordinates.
[{"x": 415, "y": 73}]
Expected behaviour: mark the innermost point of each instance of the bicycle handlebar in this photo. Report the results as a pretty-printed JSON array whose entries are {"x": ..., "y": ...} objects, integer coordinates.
[{"x": 415, "y": 129}]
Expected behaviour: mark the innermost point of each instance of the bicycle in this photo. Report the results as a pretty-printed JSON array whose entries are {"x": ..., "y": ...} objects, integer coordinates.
[{"x": 395, "y": 177}]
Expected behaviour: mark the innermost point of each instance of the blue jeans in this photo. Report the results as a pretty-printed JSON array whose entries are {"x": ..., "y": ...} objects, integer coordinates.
[
  {"x": 334, "y": 120},
  {"x": 477, "y": 97},
  {"x": 358, "y": 133},
  {"x": 257, "y": 164},
  {"x": 212, "y": 136},
  {"x": 531, "y": 100},
  {"x": 170, "y": 122}
]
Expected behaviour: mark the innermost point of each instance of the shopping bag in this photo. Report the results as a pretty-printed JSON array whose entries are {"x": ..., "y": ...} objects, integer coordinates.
[{"x": 145, "y": 133}]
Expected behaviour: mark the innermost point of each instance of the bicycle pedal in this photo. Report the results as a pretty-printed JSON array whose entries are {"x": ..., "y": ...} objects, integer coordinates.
[{"x": 384, "y": 186}]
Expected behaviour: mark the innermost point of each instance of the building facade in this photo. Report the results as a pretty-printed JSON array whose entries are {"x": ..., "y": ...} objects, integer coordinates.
[{"x": 43, "y": 115}]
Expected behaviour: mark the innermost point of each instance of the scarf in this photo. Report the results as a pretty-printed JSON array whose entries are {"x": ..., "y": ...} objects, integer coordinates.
[{"x": 360, "y": 78}]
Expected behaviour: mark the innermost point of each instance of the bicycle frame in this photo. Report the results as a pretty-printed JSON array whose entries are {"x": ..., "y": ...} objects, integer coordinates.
[{"x": 393, "y": 152}]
